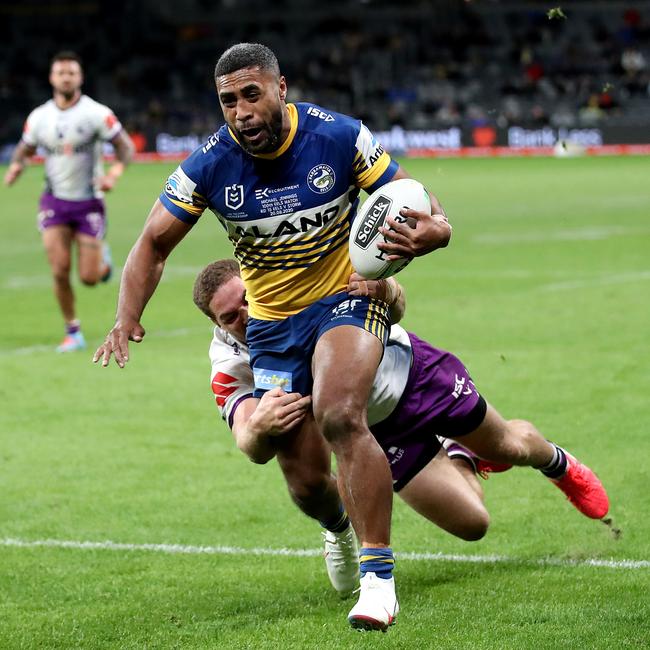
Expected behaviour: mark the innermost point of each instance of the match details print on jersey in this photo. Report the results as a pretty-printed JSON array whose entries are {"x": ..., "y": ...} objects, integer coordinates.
[{"x": 287, "y": 214}]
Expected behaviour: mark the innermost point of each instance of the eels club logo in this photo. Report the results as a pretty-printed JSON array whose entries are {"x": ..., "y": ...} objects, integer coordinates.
[{"x": 321, "y": 178}]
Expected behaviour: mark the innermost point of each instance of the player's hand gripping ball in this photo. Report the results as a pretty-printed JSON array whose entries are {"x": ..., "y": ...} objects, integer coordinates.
[{"x": 367, "y": 259}]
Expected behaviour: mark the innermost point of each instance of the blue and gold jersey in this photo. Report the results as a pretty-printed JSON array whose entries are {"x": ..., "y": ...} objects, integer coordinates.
[{"x": 287, "y": 213}]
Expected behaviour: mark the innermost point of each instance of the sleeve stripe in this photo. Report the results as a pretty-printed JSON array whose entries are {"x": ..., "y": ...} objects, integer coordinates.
[
  {"x": 178, "y": 209},
  {"x": 231, "y": 415},
  {"x": 370, "y": 176}
]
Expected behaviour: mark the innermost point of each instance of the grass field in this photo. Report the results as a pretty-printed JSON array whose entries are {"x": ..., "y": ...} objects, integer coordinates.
[{"x": 544, "y": 293}]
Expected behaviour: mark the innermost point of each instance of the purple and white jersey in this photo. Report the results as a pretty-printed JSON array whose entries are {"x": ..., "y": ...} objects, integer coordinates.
[
  {"x": 232, "y": 376},
  {"x": 71, "y": 141}
]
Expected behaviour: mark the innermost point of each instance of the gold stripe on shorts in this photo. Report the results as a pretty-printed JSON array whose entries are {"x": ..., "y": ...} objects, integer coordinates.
[{"x": 377, "y": 322}]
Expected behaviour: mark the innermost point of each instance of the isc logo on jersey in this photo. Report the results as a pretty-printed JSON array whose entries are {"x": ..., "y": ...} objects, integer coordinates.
[
  {"x": 212, "y": 141},
  {"x": 315, "y": 112}
]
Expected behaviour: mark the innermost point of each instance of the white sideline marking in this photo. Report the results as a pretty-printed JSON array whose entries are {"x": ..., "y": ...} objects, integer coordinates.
[
  {"x": 172, "y": 549},
  {"x": 589, "y": 233},
  {"x": 616, "y": 278},
  {"x": 20, "y": 282}
]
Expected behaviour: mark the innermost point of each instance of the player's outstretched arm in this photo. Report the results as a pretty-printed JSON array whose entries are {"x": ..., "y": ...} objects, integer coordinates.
[
  {"x": 142, "y": 272},
  {"x": 21, "y": 153},
  {"x": 124, "y": 150},
  {"x": 388, "y": 290},
  {"x": 431, "y": 231},
  {"x": 257, "y": 422}
]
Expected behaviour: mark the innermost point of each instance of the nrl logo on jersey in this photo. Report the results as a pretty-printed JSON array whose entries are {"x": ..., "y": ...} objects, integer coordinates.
[
  {"x": 234, "y": 196},
  {"x": 321, "y": 178}
]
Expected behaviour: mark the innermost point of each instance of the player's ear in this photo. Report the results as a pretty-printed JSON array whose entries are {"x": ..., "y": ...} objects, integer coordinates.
[{"x": 283, "y": 88}]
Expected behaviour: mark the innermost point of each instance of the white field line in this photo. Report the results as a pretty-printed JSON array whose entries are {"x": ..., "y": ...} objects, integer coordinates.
[
  {"x": 603, "y": 280},
  {"x": 20, "y": 282},
  {"x": 35, "y": 349},
  {"x": 173, "y": 549},
  {"x": 589, "y": 233}
]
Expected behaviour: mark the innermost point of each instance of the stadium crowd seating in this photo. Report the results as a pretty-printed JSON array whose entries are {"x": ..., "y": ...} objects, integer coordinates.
[{"x": 418, "y": 65}]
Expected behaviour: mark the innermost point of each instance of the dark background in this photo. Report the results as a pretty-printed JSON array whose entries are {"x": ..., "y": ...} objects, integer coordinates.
[{"x": 418, "y": 65}]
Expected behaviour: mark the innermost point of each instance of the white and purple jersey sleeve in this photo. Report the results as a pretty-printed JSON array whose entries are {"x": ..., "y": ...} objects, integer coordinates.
[{"x": 232, "y": 376}]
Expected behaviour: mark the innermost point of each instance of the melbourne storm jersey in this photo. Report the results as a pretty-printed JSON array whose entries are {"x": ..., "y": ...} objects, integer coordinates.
[
  {"x": 287, "y": 213},
  {"x": 72, "y": 141},
  {"x": 232, "y": 376}
]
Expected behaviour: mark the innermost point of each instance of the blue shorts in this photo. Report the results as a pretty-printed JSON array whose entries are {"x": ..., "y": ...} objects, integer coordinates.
[{"x": 281, "y": 350}]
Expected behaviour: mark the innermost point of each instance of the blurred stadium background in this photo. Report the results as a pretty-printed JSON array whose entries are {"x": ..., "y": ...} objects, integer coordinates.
[{"x": 426, "y": 75}]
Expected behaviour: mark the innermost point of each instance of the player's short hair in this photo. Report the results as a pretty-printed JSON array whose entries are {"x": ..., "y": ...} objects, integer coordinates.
[
  {"x": 210, "y": 279},
  {"x": 246, "y": 55},
  {"x": 66, "y": 55}
]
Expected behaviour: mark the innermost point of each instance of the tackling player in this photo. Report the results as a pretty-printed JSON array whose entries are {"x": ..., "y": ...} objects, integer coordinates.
[
  {"x": 283, "y": 181},
  {"x": 71, "y": 128},
  {"x": 419, "y": 393}
]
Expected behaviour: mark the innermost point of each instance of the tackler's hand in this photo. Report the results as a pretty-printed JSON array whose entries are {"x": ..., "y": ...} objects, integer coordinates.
[{"x": 279, "y": 412}]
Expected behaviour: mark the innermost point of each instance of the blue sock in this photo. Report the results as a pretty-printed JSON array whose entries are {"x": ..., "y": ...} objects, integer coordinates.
[{"x": 380, "y": 561}]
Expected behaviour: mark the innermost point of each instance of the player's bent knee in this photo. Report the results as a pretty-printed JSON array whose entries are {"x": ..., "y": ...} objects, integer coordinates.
[
  {"x": 305, "y": 490},
  {"x": 89, "y": 279},
  {"x": 340, "y": 422},
  {"x": 476, "y": 528},
  {"x": 61, "y": 273}
]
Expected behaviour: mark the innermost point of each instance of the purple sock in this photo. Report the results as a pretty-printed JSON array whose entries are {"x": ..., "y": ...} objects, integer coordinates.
[{"x": 73, "y": 327}]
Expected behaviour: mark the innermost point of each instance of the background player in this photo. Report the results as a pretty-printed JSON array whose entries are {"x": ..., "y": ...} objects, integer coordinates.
[
  {"x": 71, "y": 128},
  {"x": 419, "y": 393},
  {"x": 284, "y": 179}
]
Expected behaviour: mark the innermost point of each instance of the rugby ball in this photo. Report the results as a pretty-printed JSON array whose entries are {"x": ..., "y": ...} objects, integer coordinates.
[{"x": 368, "y": 260}]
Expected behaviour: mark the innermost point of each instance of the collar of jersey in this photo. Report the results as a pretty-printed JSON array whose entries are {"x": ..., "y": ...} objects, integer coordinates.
[
  {"x": 293, "y": 121},
  {"x": 63, "y": 110}
]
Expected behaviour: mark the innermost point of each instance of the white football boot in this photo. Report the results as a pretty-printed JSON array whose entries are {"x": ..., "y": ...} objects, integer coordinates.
[
  {"x": 342, "y": 560},
  {"x": 377, "y": 607}
]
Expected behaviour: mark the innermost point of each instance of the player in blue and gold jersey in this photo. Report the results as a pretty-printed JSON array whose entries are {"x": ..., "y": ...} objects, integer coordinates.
[{"x": 284, "y": 180}]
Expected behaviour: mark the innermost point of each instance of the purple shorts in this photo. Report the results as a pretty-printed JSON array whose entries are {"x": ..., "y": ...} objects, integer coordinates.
[
  {"x": 440, "y": 399},
  {"x": 87, "y": 217}
]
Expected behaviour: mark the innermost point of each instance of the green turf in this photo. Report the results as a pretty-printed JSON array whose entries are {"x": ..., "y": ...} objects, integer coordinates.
[{"x": 544, "y": 294}]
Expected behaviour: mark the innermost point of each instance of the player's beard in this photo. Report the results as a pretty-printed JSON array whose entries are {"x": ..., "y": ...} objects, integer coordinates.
[
  {"x": 274, "y": 135},
  {"x": 67, "y": 94}
]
